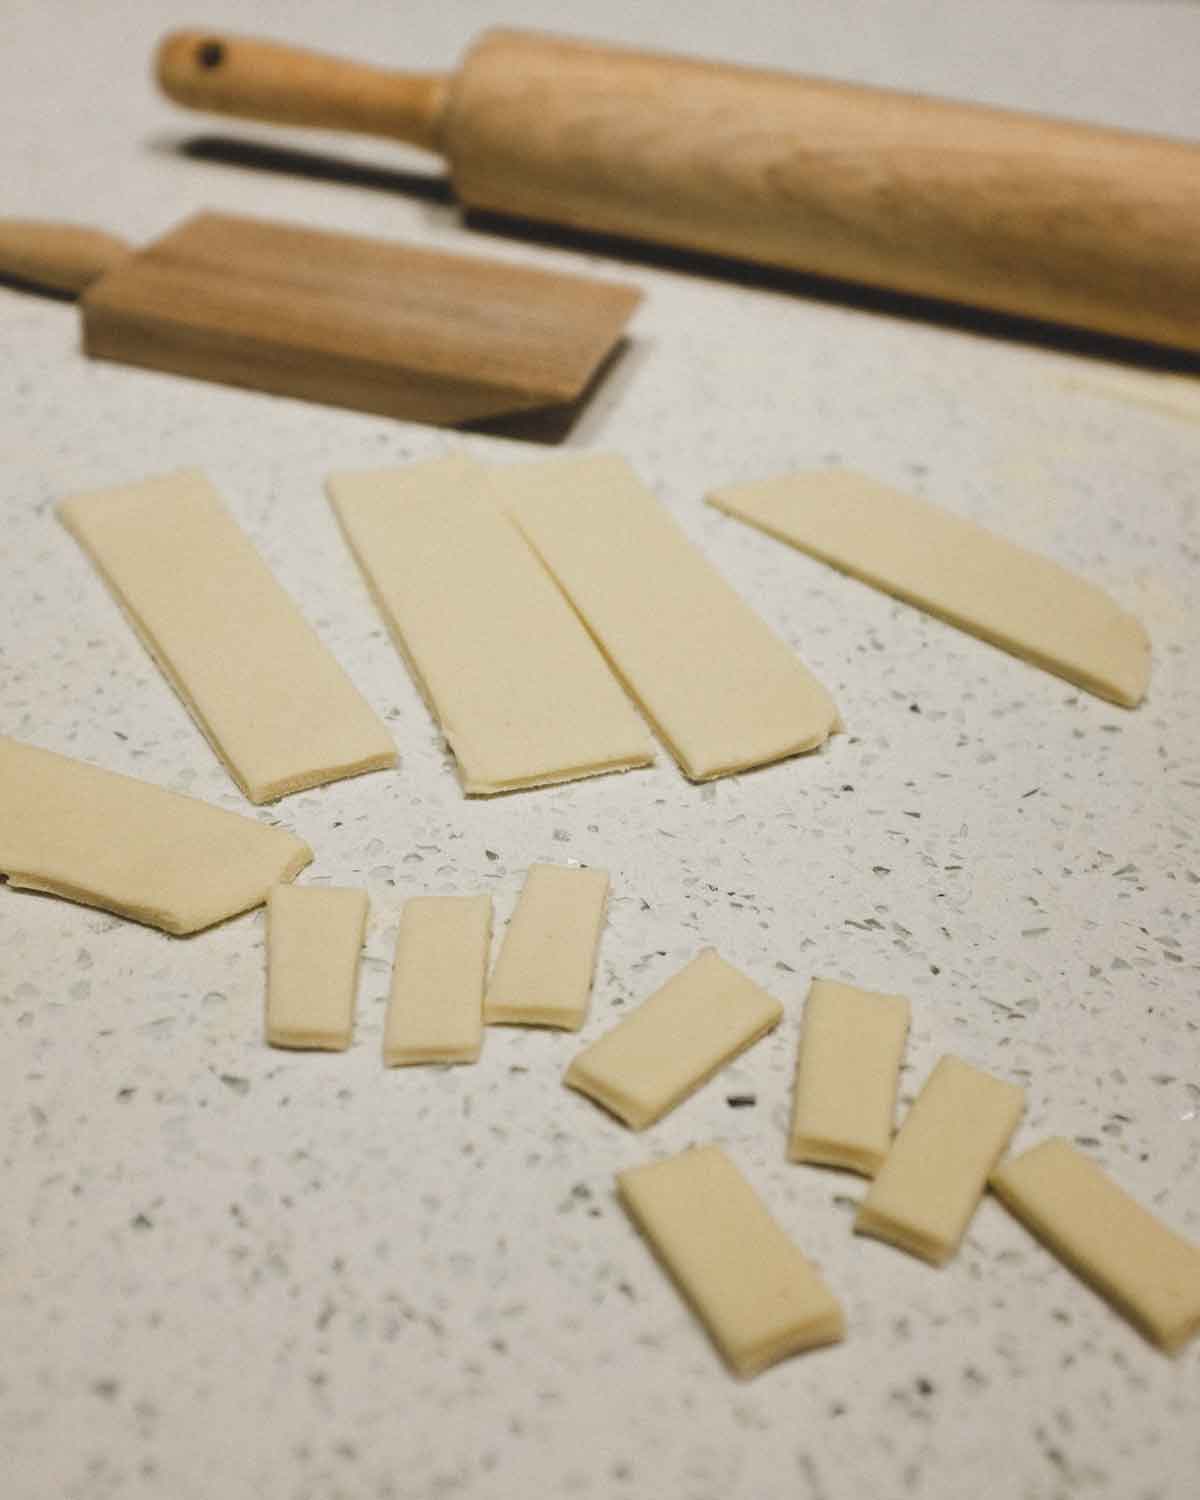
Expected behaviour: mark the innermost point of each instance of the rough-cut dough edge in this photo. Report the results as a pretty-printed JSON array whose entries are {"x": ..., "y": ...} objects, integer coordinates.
[
  {"x": 690, "y": 770},
  {"x": 258, "y": 792},
  {"x": 882, "y": 1226},
  {"x": 160, "y": 919},
  {"x": 546, "y": 1016},
  {"x": 747, "y": 1360},
  {"x": 820, "y": 1151},
  {"x": 472, "y": 784},
  {"x": 1109, "y": 693},
  {"x": 1169, "y": 1338},
  {"x": 409, "y": 1056},
  {"x": 618, "y": 1103},
  {"x": 307, "y": 1040}
]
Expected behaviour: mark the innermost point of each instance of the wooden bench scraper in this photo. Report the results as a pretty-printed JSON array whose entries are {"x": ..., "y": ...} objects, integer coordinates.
[{"x": 338, "y": 318}]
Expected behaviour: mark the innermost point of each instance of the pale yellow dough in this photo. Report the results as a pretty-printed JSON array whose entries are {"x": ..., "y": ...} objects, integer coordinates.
[
  {"x": 953, "y": 568},
  {"x": 543, "y": 975},
  {"x": 758, "y": 1296},
  {"x": 674, "y": 1041},
  {"x": 130, "y": 847},
  {"x": 436, "y": 1009},
  {"x": 314, "y": 938},
  {"x": 257, "y": 679},
  {"x": 723, "y": 691},
  {"x": 932, "y": 1179},
  {"x": 1145, "y": 1269},
  {"x": 521, "y": 693},
  {"x": 851, "y": 1046}
]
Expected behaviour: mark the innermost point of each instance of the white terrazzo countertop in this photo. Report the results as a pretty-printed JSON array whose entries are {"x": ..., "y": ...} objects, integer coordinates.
[{"x": 230, "y": 1271}]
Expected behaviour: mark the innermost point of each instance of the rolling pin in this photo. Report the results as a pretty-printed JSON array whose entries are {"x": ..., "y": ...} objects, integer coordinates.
[{"x": 1021, "y": 214}]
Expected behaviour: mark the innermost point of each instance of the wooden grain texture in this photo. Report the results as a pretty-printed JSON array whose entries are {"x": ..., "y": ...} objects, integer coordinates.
[
  {"x": 1022, "y": 214},
  {"x": 337, "y": 318}
]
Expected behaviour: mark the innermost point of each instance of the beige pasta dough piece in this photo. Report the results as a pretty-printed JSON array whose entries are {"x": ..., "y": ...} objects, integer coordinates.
[
  {"x": 257, "y": 679},
  {"x": 543, "y": 975},
  {"x": 436, "y": 1009},
  {"x": 723, "y": 691},
  {"x": 851, "y": 1045},
  {"x": 1145, "y": 1269},
  {"x": 953, "y": 568},
  {"x": 522, "y": 695},
  {"x": 758, "y": 1296},
  {"x": 932, "y": 1179},
  {"x": 314, "y": 938},
  {"x": 133, "y": 848},
  {"x": 675, "y": 1041}
]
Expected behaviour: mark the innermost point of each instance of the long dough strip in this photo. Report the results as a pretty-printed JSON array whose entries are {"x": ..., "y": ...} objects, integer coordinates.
[
  {"x": 257, "y": 679},
  {"x": 723, "y": 691},
  {"x": 1145, "y": 1269},
  {"x": 314, "y": 938},
  {"x": 522, "y": 695},
  {"x": 956, "y": 570},
  {"x": 133, "y": 848},
  {"x": 675, "y": 1041},
  {"x": 543, "y": 975},
  {"x": 436, "y": 1009},
  {"x": 851, "y": 1044},
  {"x": 755, "y": 1292},
  {"x": 932, "y": 1179}
]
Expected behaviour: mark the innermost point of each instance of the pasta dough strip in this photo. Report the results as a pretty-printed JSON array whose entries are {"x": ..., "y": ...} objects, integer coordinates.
[
  {"x": 543, "y": 975},
  {"x": 758, "y": 1296},
  {"x": 851, "y": 1044},
  {"x": 314, "y": 938},
  {"x": 952, "y": 568},
  {"x": 723, "y": 691},
  {"x": 932, "y": 1179},
  {"x": 522, "y": 695},
  {"x": 436, "y": 1009},
  {"x": 112, "y": 841},
  {"x": 263, "y": 688},
  {"x": 1145, "y": 1269},
  {"x": 675, "y": 1041}
]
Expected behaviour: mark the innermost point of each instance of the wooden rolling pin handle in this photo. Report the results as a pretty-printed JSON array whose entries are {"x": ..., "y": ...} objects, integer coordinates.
[
  {"x": 59, "y": 257},
  {"x": 291, "y": 86}
]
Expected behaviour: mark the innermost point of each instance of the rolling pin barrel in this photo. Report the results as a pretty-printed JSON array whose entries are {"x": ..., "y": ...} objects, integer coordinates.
[{"x": 1016, "y": 213}]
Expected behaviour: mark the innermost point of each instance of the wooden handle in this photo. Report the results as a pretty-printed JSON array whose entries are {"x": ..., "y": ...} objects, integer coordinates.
[
  {"x": 60, "y": 257},
  {"x": 290, "y": 86}
]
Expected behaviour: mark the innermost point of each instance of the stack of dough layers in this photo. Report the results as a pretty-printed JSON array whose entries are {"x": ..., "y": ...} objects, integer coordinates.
[
  {"x": 1144, "y": 1268},
  {"x": 132, "y": 848},
  {"x": 956, "y": 570},
  {"x": 755, "y": 1292},
  {"x": 675, "y": 1041},
  {"x": 522, "y": 695},
  {"x": 721, "y": 689},
  {"x": 314, "y": 938},
  {"x": 266, "y": 692}
]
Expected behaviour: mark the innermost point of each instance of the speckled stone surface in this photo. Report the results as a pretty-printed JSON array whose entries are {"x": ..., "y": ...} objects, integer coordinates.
[{"x": 239, "y": 1272}]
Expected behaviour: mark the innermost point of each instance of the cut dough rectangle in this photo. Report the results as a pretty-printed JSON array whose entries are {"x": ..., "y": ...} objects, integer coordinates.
[
  {"x": 1145, "y": 1269},
  {"x": 314, "y": 938},
  {"x": 436, "y": 1009},
  {"x": 932, "y": 1179},
  {"x": 953, "y": 568},
  {"x": 723, "y": 691},
  {"x": 257, "y": 679},
  {"x": 133, "y": 848},
  {"x": 851, "y": 1044},
  {"x": 755, "y": 1292},
  {"x": 543, "y": 975},
  {"x": 521, "y": 693},
  {"x": 675, "y": 1041}
]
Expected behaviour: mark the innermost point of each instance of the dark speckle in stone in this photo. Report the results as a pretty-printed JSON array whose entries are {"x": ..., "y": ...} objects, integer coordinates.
[
  {"x": 490, "y": 854},
  {"x": 741, "y": 1101},
  {"x": 237, "y": 1084},
  {"x": 141, "y": 1221},
  {"x": 925, "y": 1387},
  {"x": 107, "y": 1389}
]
